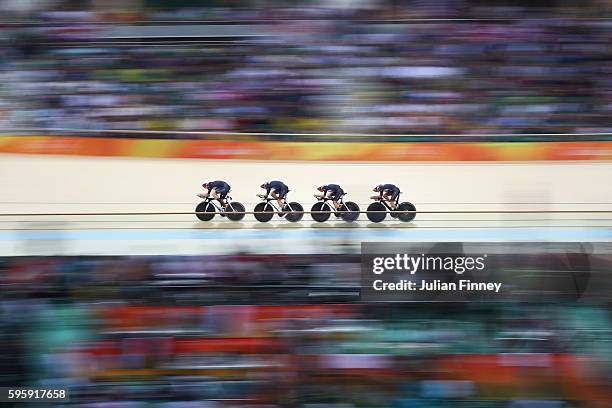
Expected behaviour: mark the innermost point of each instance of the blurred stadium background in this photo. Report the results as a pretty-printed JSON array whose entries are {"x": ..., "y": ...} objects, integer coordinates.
[{"x": 498, "y": 108}]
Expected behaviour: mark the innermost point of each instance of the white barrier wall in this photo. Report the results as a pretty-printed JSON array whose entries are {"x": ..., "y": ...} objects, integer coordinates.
[{"x": 171, "y": 184}]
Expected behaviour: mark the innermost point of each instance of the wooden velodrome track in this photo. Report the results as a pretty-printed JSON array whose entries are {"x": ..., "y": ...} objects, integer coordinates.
[{"x": 457, "y": 201}]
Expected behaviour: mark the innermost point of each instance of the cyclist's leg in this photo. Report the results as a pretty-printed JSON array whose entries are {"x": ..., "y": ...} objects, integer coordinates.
[
  {"x": 337, "y": 206},
  {"x": 280, "y": 197},
  {"x": 335, "y": 199},
  {"x": 395, "y": 199},
  {"x": 283, "y": 195},
  {"x": 214, "y": 194},
  {"x": 339, "y": 196},
  {"x": 222, "y": 198},
  {"x": 385, "y": 197}
]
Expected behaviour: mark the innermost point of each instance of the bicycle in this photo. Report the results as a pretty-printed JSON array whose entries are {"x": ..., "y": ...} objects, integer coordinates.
[
  {"x": 264, "y": 211},
  {"x": 205, "y": 211},
  {"x": 377, "y": 211},
  {"x": 322, "y": 210}
]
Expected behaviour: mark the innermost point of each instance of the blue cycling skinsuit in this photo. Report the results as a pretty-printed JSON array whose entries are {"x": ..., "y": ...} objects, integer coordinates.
[
  {"x": 279, "y": 187},
  {"x": 391, "y": 189},
  {"x": 221, "y": 187},
  {"x": 336, "y": 191}
]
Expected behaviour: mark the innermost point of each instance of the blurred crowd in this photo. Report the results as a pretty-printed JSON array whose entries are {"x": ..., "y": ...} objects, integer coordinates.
[
  {"x": 255, "y": 11},
  {"x": 279, "y": 331},
  {"x": 536, "y": 70}
]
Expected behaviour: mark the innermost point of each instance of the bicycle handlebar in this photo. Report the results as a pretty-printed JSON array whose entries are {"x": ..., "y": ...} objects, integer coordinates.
[
  {"x": 329, "y": 198},
  {"x": 210, "y": 198},
  {"x": 381, "y": 198},
  {"x": 266, "y": 198}
]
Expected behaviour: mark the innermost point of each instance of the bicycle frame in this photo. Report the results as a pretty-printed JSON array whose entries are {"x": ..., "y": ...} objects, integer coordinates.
[
  {"x": 384, "y": 202},
  {"x": 272, "y": 201},
  {"x": 215, "y": 202},
  {"x": 339, "y": 199},
  {"x": 331, "y": 207}
]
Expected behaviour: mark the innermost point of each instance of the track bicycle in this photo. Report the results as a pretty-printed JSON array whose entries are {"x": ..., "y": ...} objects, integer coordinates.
[
  {"x": 206, "y": 210},
  {"x": 324, "y": 207},
  {"x": 264, "y": 211},
  {"x": 377, "y": 211}
]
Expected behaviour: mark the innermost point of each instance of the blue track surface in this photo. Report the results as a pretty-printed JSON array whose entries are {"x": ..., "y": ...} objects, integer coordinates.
[{"x": 408, "y": 234}]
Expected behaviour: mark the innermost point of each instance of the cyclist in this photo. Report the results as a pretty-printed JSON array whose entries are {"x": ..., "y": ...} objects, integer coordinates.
[
  {"x": 278, "y": 189},
  {"x": 219, "y": 190},
  {"x": 335, "y": 192},
  {"x": 388, "y": 192}
]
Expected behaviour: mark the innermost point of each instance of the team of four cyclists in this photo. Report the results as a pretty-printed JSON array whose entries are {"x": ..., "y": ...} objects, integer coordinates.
[{"x": 219, "y": 189}]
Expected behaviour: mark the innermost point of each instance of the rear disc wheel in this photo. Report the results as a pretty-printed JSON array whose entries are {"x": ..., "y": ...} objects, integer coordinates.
[
  {"x": 350, "y": 211},
  {"x": 235, "y": 211},
  {"x": 406, "y": 216},
  {"x": 294, "y": 211}
]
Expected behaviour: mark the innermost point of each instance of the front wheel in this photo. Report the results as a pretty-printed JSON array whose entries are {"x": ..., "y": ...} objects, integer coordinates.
[
  {"x": 406, "y": 216},
  {"x": 294, "y": 211},
  {"x": 376, "y": 212},
  {"x": 235, "y": 211},
  {"x": 350, "y": 211},
  {"x": 320, "y": 212},
  {"x": 263, "y": 212},
  {"x": 205, "y": 211}
]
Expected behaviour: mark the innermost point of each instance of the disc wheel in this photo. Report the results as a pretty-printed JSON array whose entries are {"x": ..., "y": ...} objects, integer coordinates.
[
  {"x": 294, "y": 211},
  {"x": 406, "y": 217},
  {"x": 263, "y": 212},
  {"x": 373, "y": 212},
  {"x": 205, "y": 210},
  {"x": 320, "y": 216},
  {"x": 235, "y": 211},
  {"x": 350, "y": 211}
]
